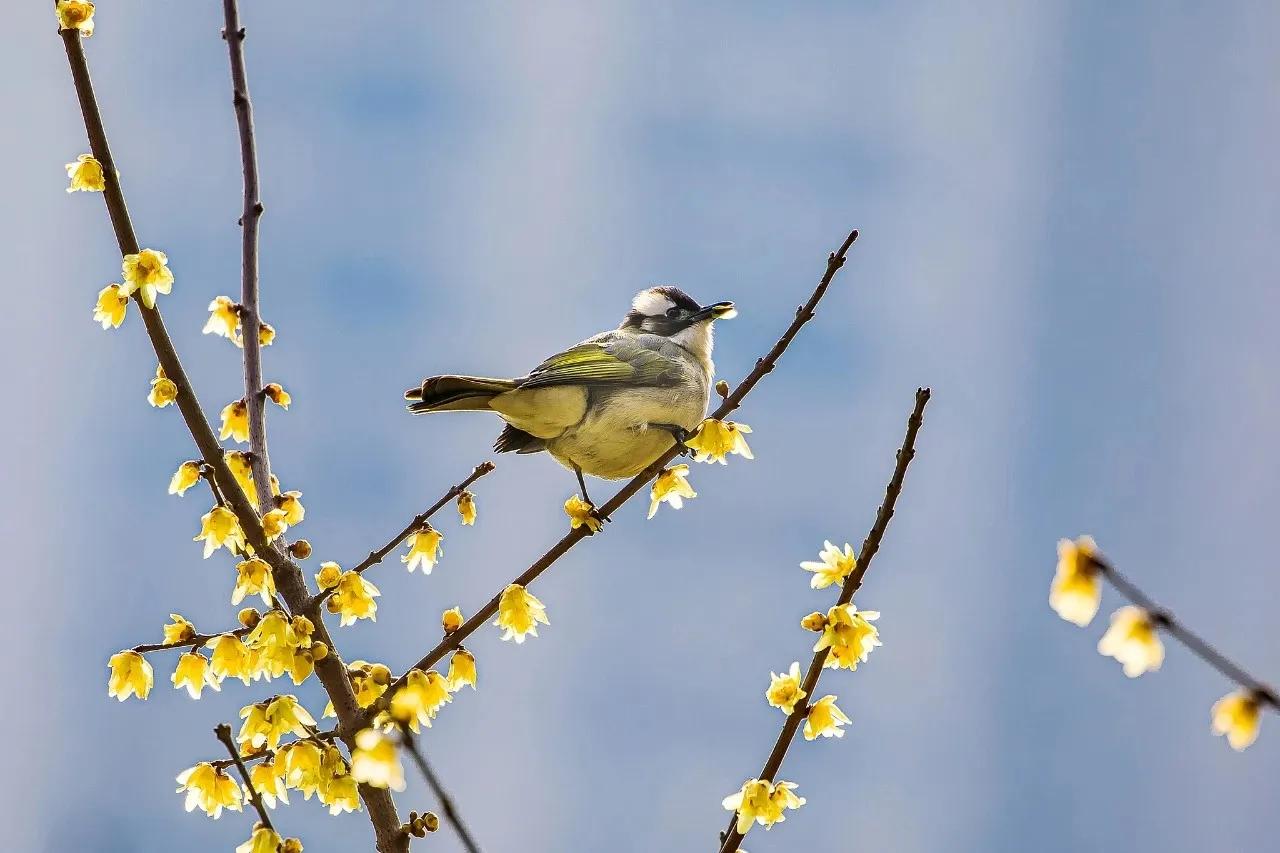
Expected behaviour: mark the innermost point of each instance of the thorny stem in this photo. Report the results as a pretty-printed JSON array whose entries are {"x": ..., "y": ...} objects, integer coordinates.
[
  {"x": 223, "y": 733},
  {"x": 763, "y": 366},
  {"x": 194, "y": 642},
  {"x": 731, "y": 839},
  {"x": 446, "y": 802}
]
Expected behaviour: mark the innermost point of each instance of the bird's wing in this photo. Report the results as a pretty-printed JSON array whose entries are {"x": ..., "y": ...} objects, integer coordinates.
[{"x": 604, "y": 361}]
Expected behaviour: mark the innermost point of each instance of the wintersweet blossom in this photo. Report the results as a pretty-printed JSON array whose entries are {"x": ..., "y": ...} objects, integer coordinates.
[
  {"x": 75, "y": 15},
  {"x": 263, "y": 840},
  {"x": 328, "y": 576},
  {"x": 193, "y": 673},
  {"x": 714, "y": 440},
  {"x": 302, "y": 763},
  {"x": 519, "y": 613},
  {"x": 421, "y": 697},
  {"x": 235, "y": 421},
  {"x": 187, "y": 475},
  {"x": 274, "y": 524},
  {"x": 832, "y": 566},
  {"x": 131, "y": 674},
  {"x": 762, "y": 802},
  {"x": 147, "y": 273},
  {"x": 290, "y": 503},
  {"x": 266, "y": 334},
  {"x": 580, "y": 513},
  {"x": 1237, "y": 716},
  {"x": 451, "y": 620},
  {"x": 374, "y": 761},
  {"x": 672, "y": 487},
  {"x": 163, "y": 389},
  {"x": 224, "y": 318},
  {"x": 825, "y": 719},
  {"x": 1133, "y": 640},
  {"x": 211, "y": 789},
  {"x": 1076, "y": 591},
  {"x": 220, "y": 528},
  {"x": 111, "y": 306},
  {"x": 784, "y": 690},
  {"x": 253, "y": 577},
  {"x": 267, "y": 778},
  {"x": 275, "y": 392},
  {"x": 178, "y": 630},
  {"x": 424, "y": 549},
  {"x": 353, "y": 598},
  {"x": 273, "y": 642},
  {"x": 266, "y": 722},
  {"x": 462, "y": 670},
  {"x": 850, "y": 636},
  {"x": 467, "y": 508},
  {"x": 242, "y": 470},
  {"x": 86, "y": 175},
  {"x": 231, "y": 658}
]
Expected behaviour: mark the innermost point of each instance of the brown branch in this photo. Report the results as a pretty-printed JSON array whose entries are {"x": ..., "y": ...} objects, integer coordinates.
[
  {"x": 223, "y": 733},
  {"x": 194, "y": 642},
  {"x": 318, "y": 737},
  {"x": 763, "y": 366},
  {"x": 446, "y": 802},
  {"x": 1164, "y": 619},
  {"x": 731, "y": 839}
]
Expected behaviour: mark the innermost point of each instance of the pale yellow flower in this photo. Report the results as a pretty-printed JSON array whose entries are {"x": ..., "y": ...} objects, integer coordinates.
[
  {"x": 291, "y": 503},
  {"x": 130, "y": 674},
  {"x": 163, "y": 390},
  {"x": 825, "y": 719},
  {"x": 714, "y": 440},
  {"x": 762, "y": 802},
  {"x": 833, "y": 565},
  {"x": 424, "y": 549},
  {"x": 86, "y": 175},
  {"x": 374, "y": 761},
  {"x": 235, "y": 421},
  {"x": 274, "y": 524},
  {"x": 147, "y": 273},
  {"x": 1076, "y": 591},
  {"x": 1237, "y": 716},
  {"x": 784, "y": 690},
  {"x": 263, "y": 840},
  {"x": 467, "y": 508},
  {"x": 218, "y": 528},
  {"x": 253, "y": 577},
  {"x": 815, "y": 621},
  {"x": 179, "y": 630},
  {"x": 267, "y": 778},
  {"x": 266, "y": 722},
  {"x": 224, "y": 318},
  {"x": 266, "y": 334},
  {"x": 242, "y": 469},
  {"x": 275, "y": 392},
  {"x": 850, "y": 636},
  {"x": 111, "y": 307},
  {"x": 193, "y": 673},
  {"x": 273, "y": 642},
  {"x": 231, "y": 658},
  {"x": 302, "y": 765},
  {"x": 211, "y": 789},
  {"x": 353, "y": 598},
  {"x": 462, "y": 670},
  {"x": 328, "y": 576},
  {"x": 519, "y": 613},
  {"x": 421, "y": 697},
  {"x": 341, "y": 794},
  {"x": 451, "y": 620},
  {"x": 671, "y": 487},
  {"x": 75, "y": 15},
  {"x": 1133, "y": 640},
  {"x": 580, "y": 513},
  {"x": 187, "y": 475}
]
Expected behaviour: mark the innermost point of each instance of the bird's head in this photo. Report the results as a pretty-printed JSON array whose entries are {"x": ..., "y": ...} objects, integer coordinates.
[{"x": 672, "y": 313}]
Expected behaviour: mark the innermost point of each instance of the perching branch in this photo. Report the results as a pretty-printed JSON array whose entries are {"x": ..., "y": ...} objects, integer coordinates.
[
  {"x": 409, "y": 742},
  {"x": 763, "y": 366},
  {"x": 195, "y": 642},
  {"x": 223, "y": 733},
  {"x": 731, "y": 839},
  {"x": 1164, "y": 619}
]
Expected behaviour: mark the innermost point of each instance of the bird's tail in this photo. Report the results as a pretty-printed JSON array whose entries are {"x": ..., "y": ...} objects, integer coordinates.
[{"x": 455, "y": 394}]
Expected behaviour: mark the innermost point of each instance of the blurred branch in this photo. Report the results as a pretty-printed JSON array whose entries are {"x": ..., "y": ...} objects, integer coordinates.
[
  {"x": 223, "y": 733},
  {"x": 763, "y": 367},
  {"x": 194, "y": 642},
  {"x": 731, "y": 839},
  {"x": 446, "y": 802}
]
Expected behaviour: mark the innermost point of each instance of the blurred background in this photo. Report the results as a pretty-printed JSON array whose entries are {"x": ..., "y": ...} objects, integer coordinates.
[{"x": 1068, "y": 216}]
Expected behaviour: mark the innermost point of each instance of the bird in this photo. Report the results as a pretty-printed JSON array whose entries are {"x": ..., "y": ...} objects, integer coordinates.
[{"x": 608, "y": 406}]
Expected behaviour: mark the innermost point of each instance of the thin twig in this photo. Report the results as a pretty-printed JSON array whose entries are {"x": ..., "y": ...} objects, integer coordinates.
[
  {"x": 223, "y": 732},
  {"x": 446, "y": 802},
  {"x": 763, "y": 366},
  {"x": 731, "y": 839},
  {"x": 318, "y": 737},
  {"x": 1163, "y": 618},
  {"x": 197, "y": 640}
]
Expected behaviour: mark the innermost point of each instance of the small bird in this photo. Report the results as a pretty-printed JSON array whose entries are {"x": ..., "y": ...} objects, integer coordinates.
[{"x": 608, "y": 406}]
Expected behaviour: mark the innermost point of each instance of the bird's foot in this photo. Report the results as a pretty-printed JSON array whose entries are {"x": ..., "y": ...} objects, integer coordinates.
[{"x": 679, "y": 433}]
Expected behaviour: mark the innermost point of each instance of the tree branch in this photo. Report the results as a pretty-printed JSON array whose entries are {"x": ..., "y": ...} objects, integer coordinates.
[
  {"x": 731, "y": 839},
  {"x": 446, "y": 802},
  {"x": 195, "y": 642},
  {"x": 763, "y": 366},
  {"x": 223, "y": 733}
]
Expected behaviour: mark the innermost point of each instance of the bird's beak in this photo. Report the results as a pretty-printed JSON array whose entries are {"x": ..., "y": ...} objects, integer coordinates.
[{"x": 718, "y": 311}]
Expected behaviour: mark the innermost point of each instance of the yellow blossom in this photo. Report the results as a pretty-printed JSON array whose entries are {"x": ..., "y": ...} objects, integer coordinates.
[
  {"x": 179, "y": 630},
  {"x": 274, "y": 524},
  {"x": 1076, "y": 590},
  {"x": 849, "y": 635},
  {"x": 218, "y": 528},
  {"x": 580, "y": 513},
  {"x": 253, "y": 577},
  {"x": 353, "y": 598},
  {"x": 833, "y": 565},
  {"x": 462, "y": 670},
  {"x": 263, "y": 840},
  {"x": 267, "y": 778},
  {"x": 424, "y": 549},
  {"x": 815, "y": 621},
  {"x": 147, "y": 273},
  {"x": 75, "y": 15},
  {"x": 784, "y": 690},
  {"x": 714, "y": 440},
  {"x": 327, "y": 577},
  {"x": 302, "y": 765},
  {"x": 187, "y": 475},
  {"x": 1133, "y": 640},
  {"x": 467, "y": 508},
  {"x": 273, "y": 641},
  {"x": 130, "y": 674},
  {"x": 672, "y": 487},
  {"x": 825, "y": 719},
  {"x": 275, "y": 392},
  {"x": 291, "y": 503},
  {"x": 211, "y": 789},
  {"x": 374, "y": 761},
  {"x": 86, "y": 175},
  {"x": 291, "y": 845},
  {"x": 762, "y": 802},
  {"x": 193, "y": 673},
  {"x": 235, "y": 421},
  {"x": 224, "y": 318},
  {"x": 111, "y": 306},
  {"x": 1236, "y": 715},
  {"x": 163, "y": 390},
  {"x": 241, "y": 467},
  {"x": 231, "y": 658},
  {"x": 368, "y": 682},
  {"x": 266, "y": 334},
  {"x": 451, "y": 620},
  {"x": 421, "y": 697},
  {"x": 519, "y": 612},
  {"x": 341, "y": 794},
  {"x": 303, "y": 664},
  {"x": 266, "y": 722}
]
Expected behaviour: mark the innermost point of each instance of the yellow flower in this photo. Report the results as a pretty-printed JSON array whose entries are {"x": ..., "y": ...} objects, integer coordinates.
[
  {"x": 303, "y": 766},
  {"x": 179, "y": 630},
  {"x": 218, "y": 528},
  {"x": 1076, "y": 590},
  {"x": 519, "y": 612},
  {"x": 291, "y": 845},
  {"x": 235, "y": 421},
  {"x": 231, "y": 658},
  {"x": 462, "y": 670},
  {"x": 111, "y": 306},
  {"x": 467, "y": 508},
  {"x": 328, "y": 576},
  {"x": 374, "y": 761},
  {"x": 211, "y": 789},
  {"x": 273, "y": 642},
  {"x": 266, "y": 722},
  {"x": 850, "y": 636},
  {"x": 224, "y": 318},
  {"x": 368, "y": 681},
  {"x": 147, "y": 273},
  {"x": 242, "y": 469},
  {"x": 1236, "y": 715},
  {"x": 253, "y": 577},
  {"x": 833, "y": 567},
  {"x": 130, "y": 674},
  {"x": 262, "y": 840},
  {"x": 187, "y": 475},
  {"x": 714, "y": 440},
  {"x": 353, "y": 598},
  {"x": 291, "y": 503},
  {"x": 451, "y": 620},
  {"x": 163, "y": 390},
  {"x": 1133, "y": 640},
  {"x": 762, "y": 802},
  {"x": 341, "y": 794},
  {"x": 421, "y": 697},
  {"x": 193, "y": 673},
  {"x": 266, "y": 334},
  {"x": 275, "y": 392},
  {"x": 672, "y": 487},
  {"x": 86, "y": 175},
  {"x": 274, "y": 524},
  {"x": 815, "y": 621},
  {"x": 75, "y": 15},
  {"x": 267, "y": 778},
  {"x": 784, "y": 690},
  {"x": 424, "y": 549},
  {"x": 579, "y": 512},
  {"x": 825, "y": 719},
  {"x": 303, "y": 664}
]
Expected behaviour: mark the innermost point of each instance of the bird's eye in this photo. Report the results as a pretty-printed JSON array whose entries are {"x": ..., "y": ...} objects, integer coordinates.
[{"x": 673, "y": 313}]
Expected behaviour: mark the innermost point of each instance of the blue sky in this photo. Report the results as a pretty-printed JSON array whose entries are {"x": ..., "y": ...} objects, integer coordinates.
[{"x": 1068, "y": 216}]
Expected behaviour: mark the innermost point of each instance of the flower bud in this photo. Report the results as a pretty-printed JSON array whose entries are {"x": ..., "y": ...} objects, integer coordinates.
[
  {"x": 722, "y": 388},
  {"x": 300, "y": 551},
  {"x": 815, "y": 621},
  {"x": 249, "y": 617},
  {"x": 319, "y": 651},
  {"x": 380, "y": 673},
  {"x": 451, "y": 620},
  {"x": 431, "y": 821}
]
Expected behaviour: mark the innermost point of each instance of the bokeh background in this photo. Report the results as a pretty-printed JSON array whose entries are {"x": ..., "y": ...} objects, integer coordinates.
[{"x": 1068, "y": 215}]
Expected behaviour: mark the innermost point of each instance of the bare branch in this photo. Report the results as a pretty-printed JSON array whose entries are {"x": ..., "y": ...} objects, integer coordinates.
[
  {"x": 195, "y": 642},
  {"x": 223, "y": 733},
  {"x": 446, "y": 802}
]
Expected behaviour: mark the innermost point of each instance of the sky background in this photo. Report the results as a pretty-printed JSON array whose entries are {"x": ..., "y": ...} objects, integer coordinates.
[{"x": 1068, "y": 216}]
